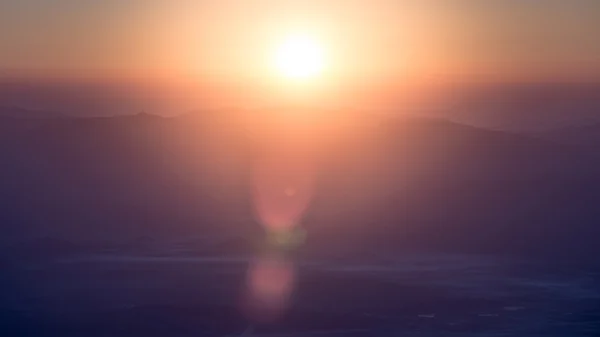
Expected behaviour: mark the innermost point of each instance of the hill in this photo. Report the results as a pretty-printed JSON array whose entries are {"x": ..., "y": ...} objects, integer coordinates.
[
  {"x": 383, "y": 185},
  {"x": 586, "y": 136}
]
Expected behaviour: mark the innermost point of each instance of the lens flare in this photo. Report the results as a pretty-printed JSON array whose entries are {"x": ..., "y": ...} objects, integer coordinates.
[
  {"x": 269, "y": 287},
  {"x": 283, "y": 188}
]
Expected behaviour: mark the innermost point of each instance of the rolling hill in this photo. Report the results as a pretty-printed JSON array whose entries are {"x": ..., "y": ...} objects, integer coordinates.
[{"x": 383, "y": 185}]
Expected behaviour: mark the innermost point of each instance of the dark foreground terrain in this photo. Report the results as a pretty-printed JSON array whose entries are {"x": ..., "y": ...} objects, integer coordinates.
[{"x": 172, "y": 293}]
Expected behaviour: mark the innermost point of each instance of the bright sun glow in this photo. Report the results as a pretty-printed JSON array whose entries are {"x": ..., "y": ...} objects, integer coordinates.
[{"x": 300, "y": 57}]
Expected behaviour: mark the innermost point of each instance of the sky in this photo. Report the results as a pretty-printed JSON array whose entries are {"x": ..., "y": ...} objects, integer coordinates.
[{"x": 387, "y": 40}]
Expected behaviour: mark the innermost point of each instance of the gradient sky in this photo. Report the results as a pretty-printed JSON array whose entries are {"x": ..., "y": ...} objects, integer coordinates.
[{"x": 379, "y": 39}]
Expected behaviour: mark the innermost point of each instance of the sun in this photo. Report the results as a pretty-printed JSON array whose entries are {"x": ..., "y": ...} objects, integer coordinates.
[{"x": 299, "y": 57}]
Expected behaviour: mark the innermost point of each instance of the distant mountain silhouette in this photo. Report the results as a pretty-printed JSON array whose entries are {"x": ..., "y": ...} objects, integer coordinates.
[
  {"x": 384, "y": 185},
  {"x": 525, "y": 107}
]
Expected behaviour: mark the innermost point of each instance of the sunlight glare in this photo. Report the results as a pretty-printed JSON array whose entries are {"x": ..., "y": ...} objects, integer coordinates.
[{"x": 300, "y": 57}]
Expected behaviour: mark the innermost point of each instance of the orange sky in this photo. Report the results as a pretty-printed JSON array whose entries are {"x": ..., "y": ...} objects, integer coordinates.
[{"x": 385, "y": 40}]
